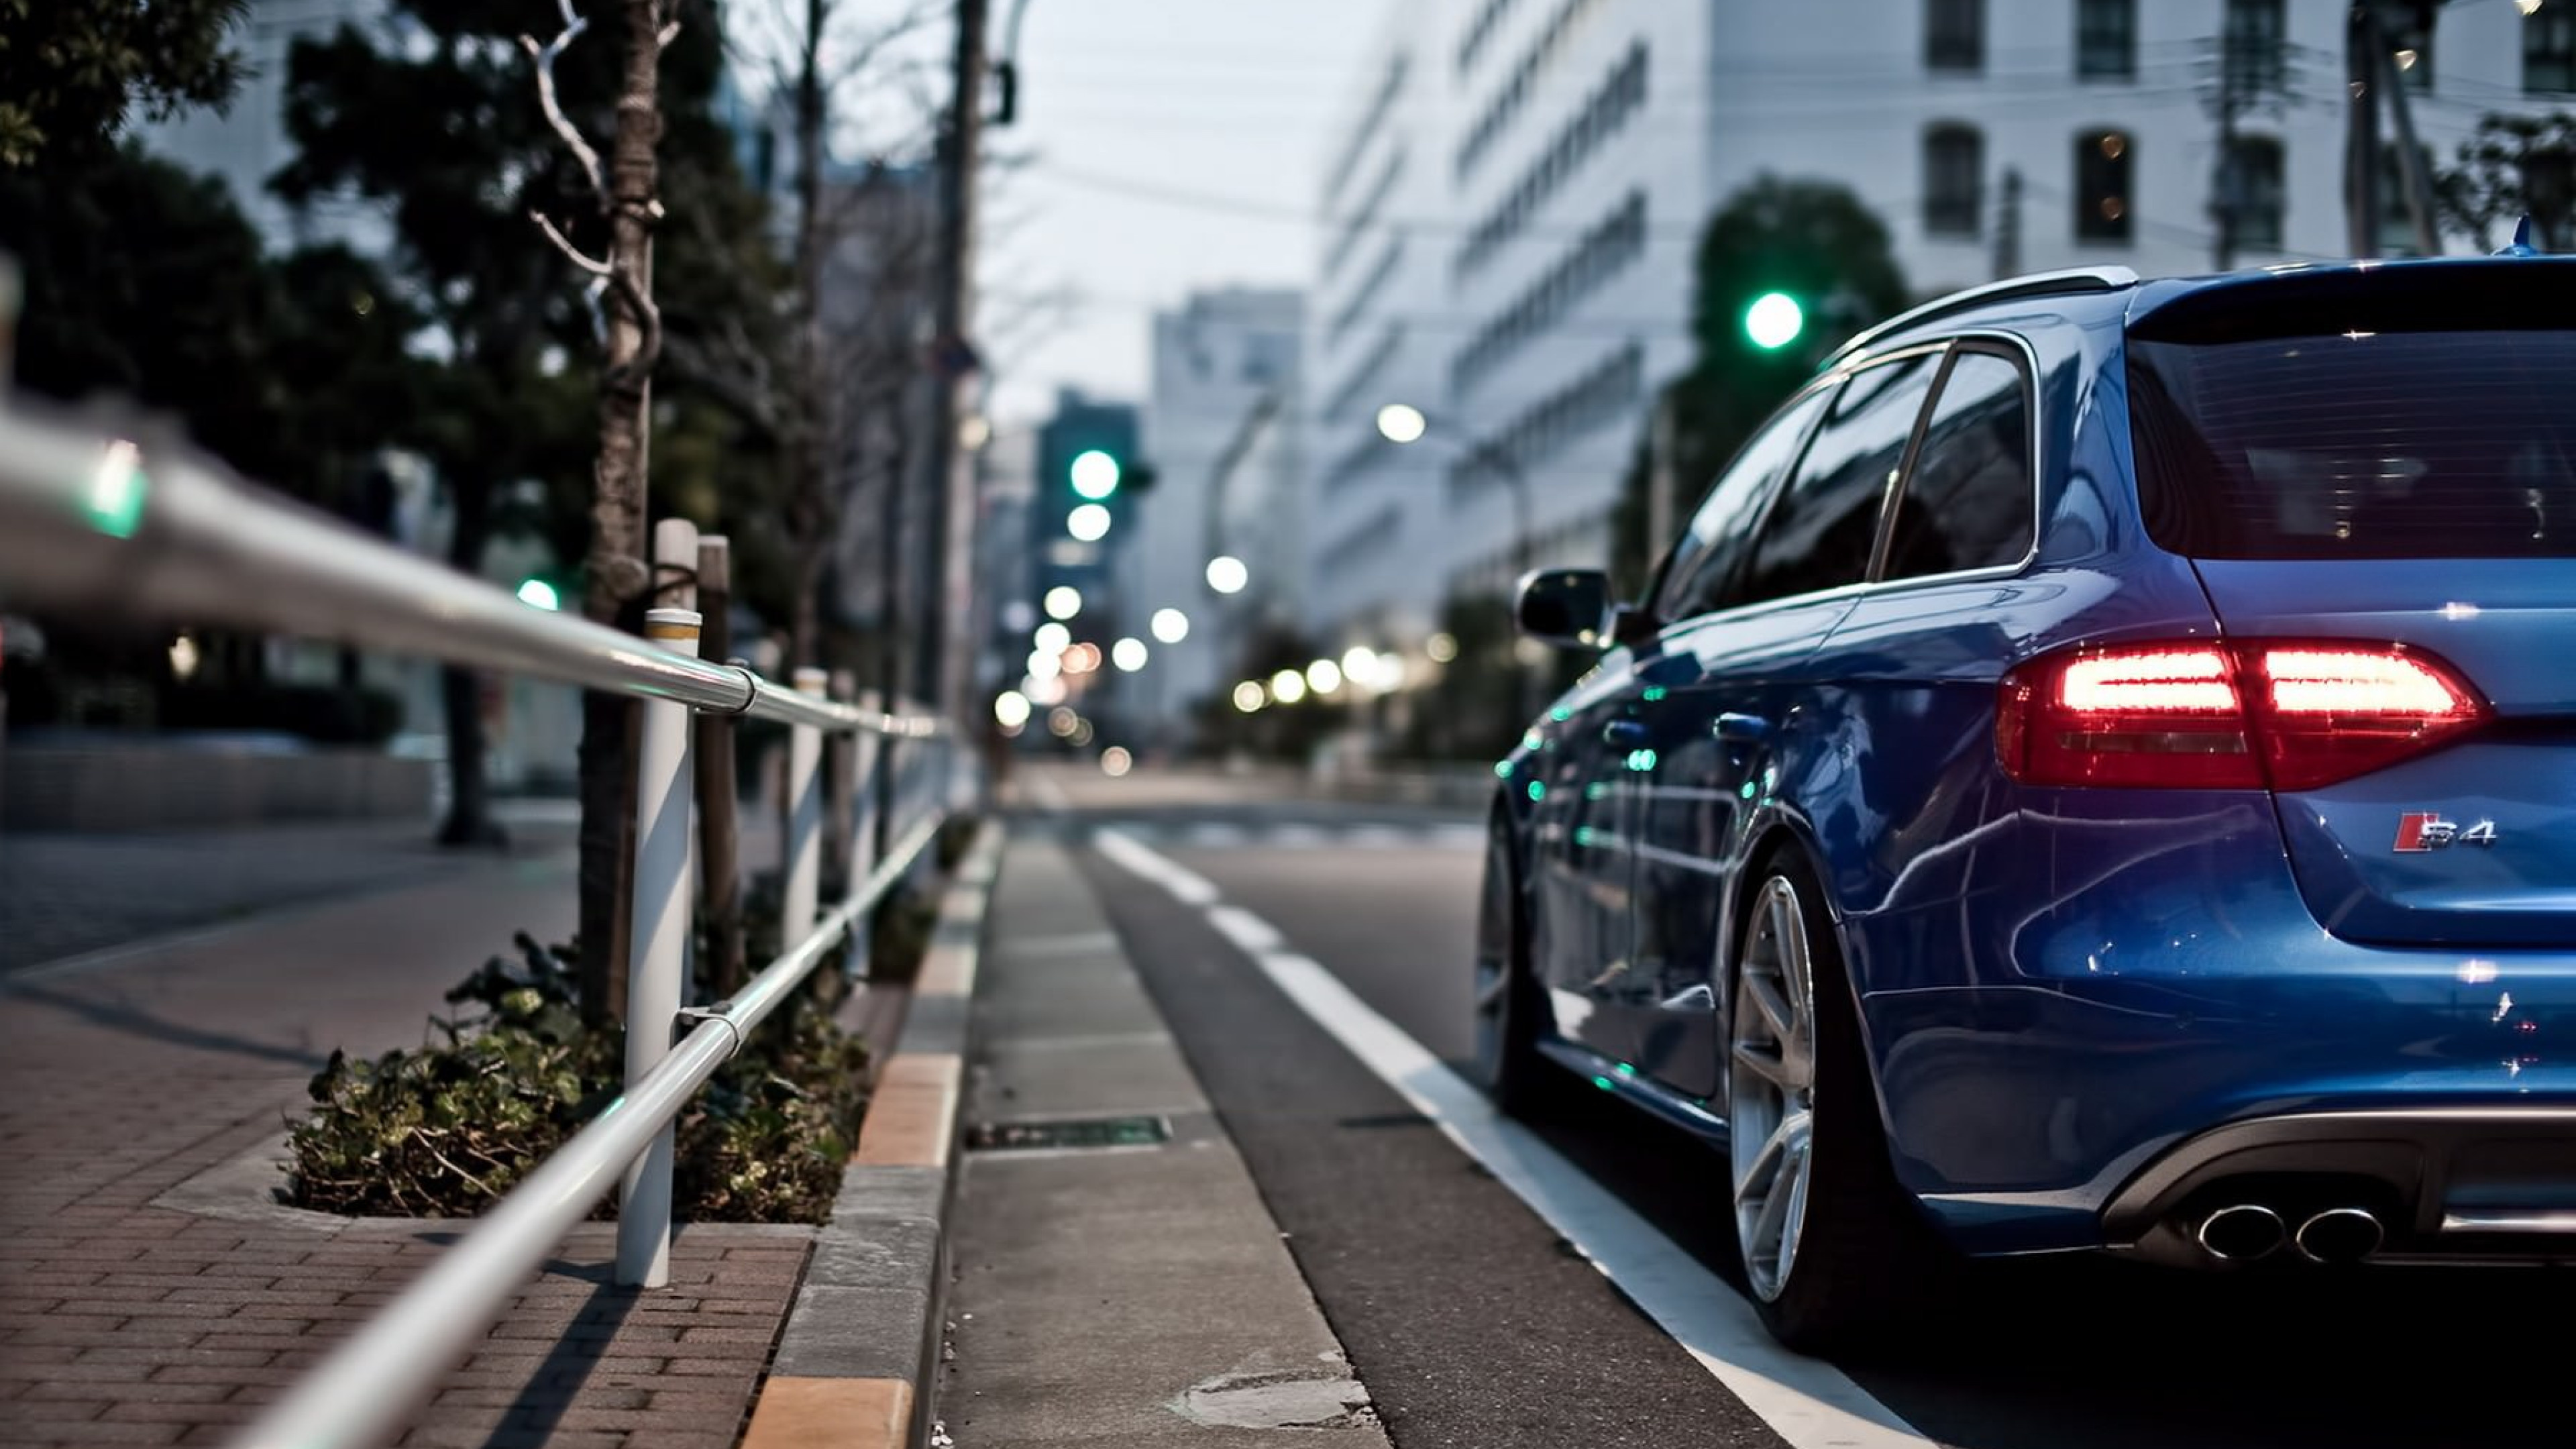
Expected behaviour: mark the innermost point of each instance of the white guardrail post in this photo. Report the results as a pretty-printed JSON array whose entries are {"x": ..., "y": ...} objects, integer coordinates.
[
  {"x": 802, "y": 849},
  {"x": 658, "y": 960}
]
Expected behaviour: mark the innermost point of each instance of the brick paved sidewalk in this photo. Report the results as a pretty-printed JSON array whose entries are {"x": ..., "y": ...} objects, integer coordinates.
[{"x": 126, "y": 1321}]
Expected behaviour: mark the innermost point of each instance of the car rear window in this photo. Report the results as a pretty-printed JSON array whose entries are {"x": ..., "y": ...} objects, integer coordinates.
[{"x": 2359, "y": 444}]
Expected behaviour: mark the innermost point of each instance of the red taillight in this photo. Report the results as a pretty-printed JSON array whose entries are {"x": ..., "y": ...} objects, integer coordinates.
[{"x": 2292, "y": 715}]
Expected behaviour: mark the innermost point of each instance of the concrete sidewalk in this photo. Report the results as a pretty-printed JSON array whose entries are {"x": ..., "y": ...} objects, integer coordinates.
[
  {"x": 1132, "y": 1293},
  {"x": 151, "y": 1294}
]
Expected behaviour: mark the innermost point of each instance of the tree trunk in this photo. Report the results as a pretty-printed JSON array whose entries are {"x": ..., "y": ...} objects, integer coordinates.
[
  {"x": 617, "y": 574},
  {"x": 811, "y": 514},
  {"x": 469, "y": 797}
]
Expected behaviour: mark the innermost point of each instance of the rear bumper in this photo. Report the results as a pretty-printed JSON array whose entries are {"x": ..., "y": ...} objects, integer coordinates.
[
  {"x": 2446, "y": 1184},
  {"x": 2105, "y": 993}
]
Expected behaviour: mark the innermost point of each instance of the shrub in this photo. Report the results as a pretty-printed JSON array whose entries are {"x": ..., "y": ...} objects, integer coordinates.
[{"x": 445, "y": 1129}]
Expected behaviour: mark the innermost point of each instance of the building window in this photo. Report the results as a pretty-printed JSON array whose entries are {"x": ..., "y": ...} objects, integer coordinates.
[
  {"x": 2102, "y": 205},
  {"x": 1954, "y": 170},
  {"x": 2254, "y": 46},
  {"x": 2255, "y": 185},
  {"x": 2106, "y": 39},
  {"x": 2549, "y": 48},
  {"x": 1954, "y": 34}
]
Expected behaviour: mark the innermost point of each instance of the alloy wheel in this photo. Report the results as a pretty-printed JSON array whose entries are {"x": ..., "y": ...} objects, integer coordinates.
[{"x": 1772, "y": 1087}]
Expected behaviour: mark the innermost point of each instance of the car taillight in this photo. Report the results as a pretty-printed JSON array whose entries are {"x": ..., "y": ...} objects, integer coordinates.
[{"x": 2291, "y": 715}]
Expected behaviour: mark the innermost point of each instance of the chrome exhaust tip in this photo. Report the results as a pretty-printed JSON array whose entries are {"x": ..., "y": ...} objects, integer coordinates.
[
  {"x": 2340, "y": 1235},
  {"x": 2241, "y": 1233}
]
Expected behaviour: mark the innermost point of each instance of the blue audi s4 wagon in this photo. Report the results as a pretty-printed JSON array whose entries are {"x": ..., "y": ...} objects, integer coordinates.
[{"x": 2098, "y": 772}]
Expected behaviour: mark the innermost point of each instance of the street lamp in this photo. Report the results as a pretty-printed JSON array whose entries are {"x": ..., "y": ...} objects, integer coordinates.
[
  {"x": 1402, "y": 423},
  {"x": 1227, "y": 575}
]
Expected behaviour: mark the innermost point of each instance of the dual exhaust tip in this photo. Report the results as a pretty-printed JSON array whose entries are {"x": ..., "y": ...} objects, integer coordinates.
[{"x": 2245, "y": 1232}]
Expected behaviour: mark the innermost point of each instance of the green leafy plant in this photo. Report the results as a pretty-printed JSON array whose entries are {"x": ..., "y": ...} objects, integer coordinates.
[{"x": 446, "y": 1128}]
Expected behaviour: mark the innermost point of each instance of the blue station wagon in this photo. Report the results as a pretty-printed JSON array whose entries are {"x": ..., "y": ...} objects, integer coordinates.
[{"x": 2098, "y": 773}]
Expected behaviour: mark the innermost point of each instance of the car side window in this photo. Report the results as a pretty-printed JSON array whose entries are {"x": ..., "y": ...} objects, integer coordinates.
[
  {"x": 1822, "y": 531},
  {"x": 1704, "y": 559},
  {"x": 1969, "y": 499}
]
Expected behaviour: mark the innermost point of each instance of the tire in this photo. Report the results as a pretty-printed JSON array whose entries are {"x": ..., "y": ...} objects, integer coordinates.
[
  {"x": 1835, "y": 1255},
  {"x": 1506, "y": 1001}
]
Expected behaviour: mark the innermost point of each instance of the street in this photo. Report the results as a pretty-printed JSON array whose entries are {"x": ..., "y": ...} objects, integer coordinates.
[{"x": 1472, "y": 1323}]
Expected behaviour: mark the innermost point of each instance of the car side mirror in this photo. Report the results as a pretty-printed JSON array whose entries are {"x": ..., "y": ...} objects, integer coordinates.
[{"x": 1568, "y": 608}]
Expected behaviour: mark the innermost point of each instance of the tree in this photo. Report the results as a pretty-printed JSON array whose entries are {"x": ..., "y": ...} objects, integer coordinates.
[
  {"x": 451, "y": 135},
  {"x": 1813, "y": 241},
  {"x": 2510, "y": 166},
  {"x": 73, "y": 71}
]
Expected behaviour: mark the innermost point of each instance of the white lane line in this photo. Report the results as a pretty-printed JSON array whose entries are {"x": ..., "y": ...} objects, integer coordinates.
[
  {"x": 1185, "y": 885},
  {"x": 1808, "y": 1402},
  {"x": 1215, "y": 833},
  {"x": 1045, "y": 793}
]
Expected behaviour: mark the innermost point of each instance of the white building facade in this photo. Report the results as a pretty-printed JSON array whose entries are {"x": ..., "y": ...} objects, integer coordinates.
[{"x": 1511, "y": 204}]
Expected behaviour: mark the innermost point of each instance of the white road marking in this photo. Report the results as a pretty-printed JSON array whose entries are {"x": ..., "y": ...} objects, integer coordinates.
[
  {"x": 1808, "y": 1402},
  {"x": 1080, "y": 943},
  {"x": 1215, "y": 833},
  {"x": 1185, "y": 885}
]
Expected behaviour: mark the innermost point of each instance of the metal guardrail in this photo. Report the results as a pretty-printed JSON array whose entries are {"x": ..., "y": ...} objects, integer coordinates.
[{"x": 145, "y": 528}]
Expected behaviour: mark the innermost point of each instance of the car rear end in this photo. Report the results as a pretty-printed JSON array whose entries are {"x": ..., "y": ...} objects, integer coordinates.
[{"x": 2372, "y": 474}]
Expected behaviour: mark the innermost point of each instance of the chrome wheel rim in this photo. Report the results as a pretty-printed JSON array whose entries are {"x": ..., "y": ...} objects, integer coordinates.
[
  {"x": 1493, "y": 967},
  {"x": 1771, "y": 1078}
]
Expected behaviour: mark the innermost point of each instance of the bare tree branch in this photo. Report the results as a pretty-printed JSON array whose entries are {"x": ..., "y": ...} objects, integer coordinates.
[
  {"x": 544, "y": 56},
  {"x": 564, "y": 245}
]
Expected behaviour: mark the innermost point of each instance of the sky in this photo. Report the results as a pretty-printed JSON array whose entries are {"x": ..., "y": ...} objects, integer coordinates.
[{"x": 1171, "y": 145}]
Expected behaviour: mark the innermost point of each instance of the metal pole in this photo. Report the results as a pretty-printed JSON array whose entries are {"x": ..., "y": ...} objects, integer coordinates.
[
  {"x": 655, "y": 969},
  {"x": 950, "y": 516},
  {"x": 803, "y": 847},
  {"x": 2412, "y": 173},
  {"x": 867, "y": 832},
  {"x": 719, "y": 853},
  {"x": 2361, "y": 140},
  {"x": 839, "y": 782}
]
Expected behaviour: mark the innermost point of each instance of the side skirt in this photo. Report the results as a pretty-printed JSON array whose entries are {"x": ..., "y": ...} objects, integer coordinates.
[{"x": 1638, "y": 1090}]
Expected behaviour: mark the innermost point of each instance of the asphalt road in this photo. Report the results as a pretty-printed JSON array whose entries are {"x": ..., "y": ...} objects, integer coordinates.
[{"x": 1474, "y": 1326}]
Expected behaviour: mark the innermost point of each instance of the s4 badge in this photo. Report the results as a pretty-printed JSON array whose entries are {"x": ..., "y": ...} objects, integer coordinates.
[{"x": 2420, "y": 830}]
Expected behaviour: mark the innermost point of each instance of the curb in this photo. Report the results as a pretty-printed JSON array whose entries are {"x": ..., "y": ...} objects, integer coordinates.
[{"x": 857, "y": 1358}]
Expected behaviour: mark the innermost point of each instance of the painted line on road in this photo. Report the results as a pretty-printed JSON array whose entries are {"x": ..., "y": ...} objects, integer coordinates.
[{"x": 1808, "y": 1402}]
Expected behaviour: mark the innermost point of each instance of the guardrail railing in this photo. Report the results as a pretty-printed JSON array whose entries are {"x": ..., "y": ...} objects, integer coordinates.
[{"x": 136, "y": 525}]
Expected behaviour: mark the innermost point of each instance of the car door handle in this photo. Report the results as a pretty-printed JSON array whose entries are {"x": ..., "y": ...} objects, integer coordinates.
[
  {"x": 1743, "y": 728},
  {"x": 1627, "y": 734}
]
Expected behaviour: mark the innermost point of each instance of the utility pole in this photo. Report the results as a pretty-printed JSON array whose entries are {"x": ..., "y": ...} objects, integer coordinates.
[
  {"x": 2370, "y": 69},
  {"x": 2008, "y": 227},
  {"x": 950, "y": 514},
  {"x": 2226, "y": 193},
  {"x": 2412, "y": 172},
  {"x": 2361, "y": 140}
]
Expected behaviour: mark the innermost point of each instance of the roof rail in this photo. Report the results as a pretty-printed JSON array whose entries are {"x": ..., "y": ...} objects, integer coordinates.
[{"x": 2038, "y": 284}]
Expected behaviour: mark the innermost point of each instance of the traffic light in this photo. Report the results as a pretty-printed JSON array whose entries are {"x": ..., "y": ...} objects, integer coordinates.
[
  {"x": 1094, "y": 474},
  {"x": 1774, "y": 320}
]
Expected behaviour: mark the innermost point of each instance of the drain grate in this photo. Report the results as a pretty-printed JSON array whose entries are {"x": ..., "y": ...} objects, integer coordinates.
[{"x": 1075, "y": 1132}]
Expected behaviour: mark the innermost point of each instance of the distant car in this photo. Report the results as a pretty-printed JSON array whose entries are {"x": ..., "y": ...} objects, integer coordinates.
[{"x": 2099, "y": 772}]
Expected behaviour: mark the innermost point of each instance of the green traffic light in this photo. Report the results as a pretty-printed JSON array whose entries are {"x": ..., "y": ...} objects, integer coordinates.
[
  {"x": 1774, "y": 320},
  {"x": 1094, "y": 474}
]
